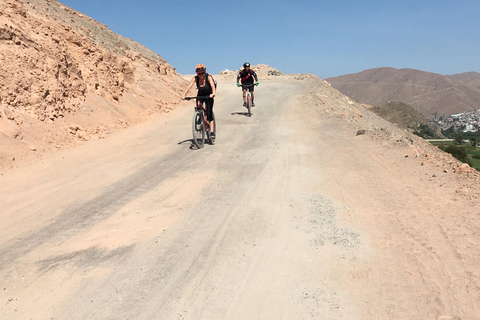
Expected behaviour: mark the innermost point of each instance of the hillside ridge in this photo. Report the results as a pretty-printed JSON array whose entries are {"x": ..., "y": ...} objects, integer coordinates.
[{"x": 429, "y": 93}]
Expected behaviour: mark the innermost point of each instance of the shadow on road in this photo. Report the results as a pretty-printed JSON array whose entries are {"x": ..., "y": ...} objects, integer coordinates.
[
  {"x": 241, "y": 113},
  {"x": 192, "y": 145}
]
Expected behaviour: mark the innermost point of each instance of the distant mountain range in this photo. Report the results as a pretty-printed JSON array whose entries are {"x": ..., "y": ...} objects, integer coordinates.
[
  {"x": 429, "y": 93},
  {"x": 466, "y": 76}
]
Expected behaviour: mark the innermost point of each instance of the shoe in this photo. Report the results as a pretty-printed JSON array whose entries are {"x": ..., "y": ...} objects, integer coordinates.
[
  {"x": 212, "y": 138},
  {"x": 244, "y": 104},
  {"x": 253, "y": 105}
]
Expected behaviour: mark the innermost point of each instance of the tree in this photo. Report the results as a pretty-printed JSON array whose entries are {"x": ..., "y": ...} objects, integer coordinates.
[
  {"x": 459, "y": 139},
  {"x": 458, "y": 152},
  {"x": 473, "y": 141}
]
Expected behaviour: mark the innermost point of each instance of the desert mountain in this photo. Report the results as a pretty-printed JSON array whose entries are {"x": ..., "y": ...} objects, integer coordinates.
[
  {"x": 465, "y": 77},
  {"x": 469, "y": 79},
  {"x": 66, "y": 78},
  {"x": 429, "y": 93}
]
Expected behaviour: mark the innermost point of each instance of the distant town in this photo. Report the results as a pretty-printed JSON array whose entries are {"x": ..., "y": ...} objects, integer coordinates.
[{"x": 461, "y": 122}]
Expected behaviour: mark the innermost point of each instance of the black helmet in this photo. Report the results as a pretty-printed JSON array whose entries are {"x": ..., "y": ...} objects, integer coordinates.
[{"x": 246, "y": 64}]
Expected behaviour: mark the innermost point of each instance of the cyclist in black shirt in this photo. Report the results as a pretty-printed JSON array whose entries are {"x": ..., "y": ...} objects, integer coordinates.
[
  {"x": 246, "y": 75},
  {"x": 206, "y": 87}
]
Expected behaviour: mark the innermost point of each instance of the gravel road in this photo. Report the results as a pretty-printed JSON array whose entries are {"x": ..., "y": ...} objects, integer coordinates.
[{"x": 289, "y": 215}]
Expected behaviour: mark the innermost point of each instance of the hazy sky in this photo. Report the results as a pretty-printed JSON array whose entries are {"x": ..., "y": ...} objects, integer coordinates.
[{"x": 324, "y": 37}]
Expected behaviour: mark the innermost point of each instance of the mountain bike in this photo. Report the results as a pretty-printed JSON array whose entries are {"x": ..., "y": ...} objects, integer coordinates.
[
  {"x": 200, "y": 123},
  {"x": 248, "y": 96}
]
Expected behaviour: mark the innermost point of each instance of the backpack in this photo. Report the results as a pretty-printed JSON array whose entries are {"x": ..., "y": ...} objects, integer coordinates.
[
  {"x": 215, "y": 82},
  {"x": 206, "y": 75}
]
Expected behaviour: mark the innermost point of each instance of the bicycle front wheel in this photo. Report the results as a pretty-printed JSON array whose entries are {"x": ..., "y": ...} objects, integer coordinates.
[
  {"x": 249, "y": 104},
  {"x": 198, "y": 129}
]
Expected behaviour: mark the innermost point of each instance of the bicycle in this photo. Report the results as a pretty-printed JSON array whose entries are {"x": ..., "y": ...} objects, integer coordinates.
[
  {"x": 200, "y": 123},
  {"x": 248, "y": 96}
]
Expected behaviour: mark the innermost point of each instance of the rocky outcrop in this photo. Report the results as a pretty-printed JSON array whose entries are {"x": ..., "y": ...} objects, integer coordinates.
[{"x": 53, "y": 57}]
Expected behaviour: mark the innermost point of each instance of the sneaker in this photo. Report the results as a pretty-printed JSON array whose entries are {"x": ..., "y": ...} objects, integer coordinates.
[
  {"x": 244, "y": 104},
  {"x": 253, "y": 104},
  {"x": 212, "y": 138}
]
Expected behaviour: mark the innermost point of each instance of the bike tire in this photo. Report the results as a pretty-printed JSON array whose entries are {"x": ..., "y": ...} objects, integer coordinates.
[
  {"x": 249, "y": 105},
  {"x": 198, "y": 129}
]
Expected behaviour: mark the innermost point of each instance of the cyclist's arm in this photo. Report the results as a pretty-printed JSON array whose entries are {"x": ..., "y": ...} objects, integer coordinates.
[
  {"x": 212, "y": 85},
  {"x": 188, "y": 88},
  {"x": 255, "y": 76}
]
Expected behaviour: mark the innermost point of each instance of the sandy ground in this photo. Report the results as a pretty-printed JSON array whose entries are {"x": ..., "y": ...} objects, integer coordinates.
[{"x": 291, "y": 215}]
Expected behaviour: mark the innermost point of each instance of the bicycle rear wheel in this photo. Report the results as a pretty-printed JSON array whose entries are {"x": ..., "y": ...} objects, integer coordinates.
[
  {"x": 249, "y": 104},
  {"x": 198, "y": 129}
]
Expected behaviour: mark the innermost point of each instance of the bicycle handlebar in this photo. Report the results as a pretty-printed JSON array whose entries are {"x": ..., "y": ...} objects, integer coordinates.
[{"x": 197, "y": 97}]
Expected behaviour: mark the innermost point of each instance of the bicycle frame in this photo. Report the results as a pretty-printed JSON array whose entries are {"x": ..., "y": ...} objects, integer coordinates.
[
  {"x": 248, "y": 97},
  {"x": 202, "y": 107}
]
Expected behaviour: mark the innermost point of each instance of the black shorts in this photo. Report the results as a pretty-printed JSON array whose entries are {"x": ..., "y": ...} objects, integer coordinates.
[
  {"x": 248, "y": 88},
  {"x": 209, "y": 107},
  {"x": 208, "y": 103}
]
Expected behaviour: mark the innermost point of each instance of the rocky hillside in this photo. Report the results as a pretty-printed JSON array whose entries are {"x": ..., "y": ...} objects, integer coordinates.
[
  {"x": 428, "y": 93},
  {"x": 405, "y": 116},
  {"x": 66, "y": 78}
]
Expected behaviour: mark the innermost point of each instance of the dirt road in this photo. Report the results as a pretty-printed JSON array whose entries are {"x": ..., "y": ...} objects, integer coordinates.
[{"x": 290, "y": 215}]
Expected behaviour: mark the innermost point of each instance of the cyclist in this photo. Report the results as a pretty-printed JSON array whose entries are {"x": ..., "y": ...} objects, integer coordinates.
[
  {"x": 206, "y": 87},
  {"x": 246, "y": 75}
]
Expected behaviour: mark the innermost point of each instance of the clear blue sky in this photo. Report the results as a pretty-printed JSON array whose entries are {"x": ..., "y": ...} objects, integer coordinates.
[{"x": 324, "y": 37}]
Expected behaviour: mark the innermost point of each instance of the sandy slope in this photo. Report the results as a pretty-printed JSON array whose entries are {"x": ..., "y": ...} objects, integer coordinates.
[{"x": 291, "y": 215}]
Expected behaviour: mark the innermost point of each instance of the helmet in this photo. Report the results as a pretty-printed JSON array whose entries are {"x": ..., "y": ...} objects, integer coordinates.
[
  {"x": 246, "y": 64},
  {"x": 200, "y": 68}
]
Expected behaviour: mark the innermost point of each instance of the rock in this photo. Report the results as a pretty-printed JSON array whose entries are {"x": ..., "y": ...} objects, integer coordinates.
[
  {"x": 361, "y": 132},
  {"x": 83, "y": 135},
  {"x": 463, "y": 168},
  {"x": 357, "y": 112}
]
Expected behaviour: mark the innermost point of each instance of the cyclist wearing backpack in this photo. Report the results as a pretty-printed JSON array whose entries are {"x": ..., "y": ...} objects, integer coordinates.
[
  {"x": 246, "y": 75},
  {"x": 206, "y": 87}
]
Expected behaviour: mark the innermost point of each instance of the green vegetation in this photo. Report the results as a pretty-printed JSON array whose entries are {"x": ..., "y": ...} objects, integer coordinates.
[
  {"x": 425, "y": 131},
  {"x": 459, "y": 152},
  {"x": 470, "y": 136},
  {"x": 475, "y": 154},
  {"x": 462, "y": 147}
]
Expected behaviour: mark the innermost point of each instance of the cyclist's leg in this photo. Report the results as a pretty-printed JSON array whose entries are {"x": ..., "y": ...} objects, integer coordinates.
[
  {"x": 209, "y": 104},
  {"x": 244, "y": 96}
]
